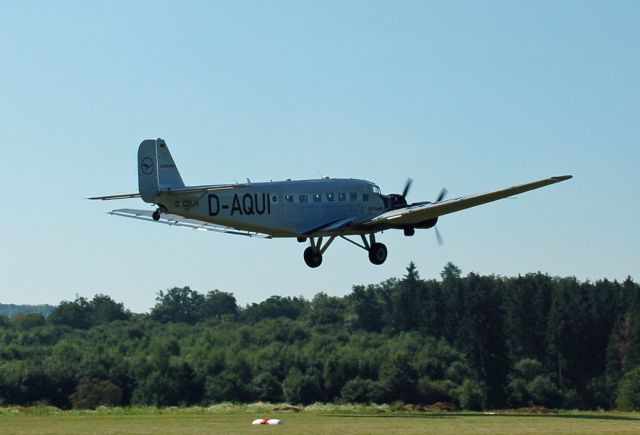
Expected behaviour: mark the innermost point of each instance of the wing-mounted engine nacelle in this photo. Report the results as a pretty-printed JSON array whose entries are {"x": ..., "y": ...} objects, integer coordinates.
[
  {"x": 410, "y": 230},
  {"x": 427, "y": 224},
  {"x": 394, "y": 200}
]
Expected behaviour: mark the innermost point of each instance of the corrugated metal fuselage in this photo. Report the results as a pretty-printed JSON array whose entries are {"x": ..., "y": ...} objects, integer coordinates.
[{"x": 282, "y": 208}]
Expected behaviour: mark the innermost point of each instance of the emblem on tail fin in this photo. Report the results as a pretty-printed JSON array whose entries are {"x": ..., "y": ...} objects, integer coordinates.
[{"x": 147, "y": 166}]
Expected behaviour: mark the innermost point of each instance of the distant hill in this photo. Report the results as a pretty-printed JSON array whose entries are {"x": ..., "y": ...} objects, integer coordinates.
[{"x": 9, "y": 310}]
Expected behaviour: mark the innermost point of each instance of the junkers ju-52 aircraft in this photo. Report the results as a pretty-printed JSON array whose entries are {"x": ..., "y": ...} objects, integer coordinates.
[{"x": 315, "y": 210}]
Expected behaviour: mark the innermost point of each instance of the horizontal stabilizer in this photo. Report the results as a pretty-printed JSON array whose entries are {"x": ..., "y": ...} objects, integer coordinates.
[
  {"x": 180, "y": 221},
  {"x": 110, "y": 197},
  {"x": 201, "y": 189}
]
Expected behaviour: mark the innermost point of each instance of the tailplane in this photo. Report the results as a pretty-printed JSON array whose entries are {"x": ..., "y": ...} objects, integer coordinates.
[{"x": 156, "y": 169}]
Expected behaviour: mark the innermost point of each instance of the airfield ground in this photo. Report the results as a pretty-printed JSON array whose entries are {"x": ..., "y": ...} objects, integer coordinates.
[{"x": 237, "y": 420}]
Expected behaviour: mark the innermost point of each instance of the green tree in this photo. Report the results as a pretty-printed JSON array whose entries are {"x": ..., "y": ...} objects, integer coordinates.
[
  {"x": 367, "y": 308},
  {"x": 27, "y": 322},
  {"x": 179, "y": 304},
  {"x": 274, "y": 307},
  {"x": 106, "y": 310},
  {"x": 628, "y": 398},
  {"x": 406, "y": 307},
  {"x": 76, "y": 314},
  {"x": 302, "y": 388},
  {"x": 471, "y": 395},
  {"x": 218, "y": 304}
]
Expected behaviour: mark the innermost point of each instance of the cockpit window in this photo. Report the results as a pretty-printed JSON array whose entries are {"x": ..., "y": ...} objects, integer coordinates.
[{"x": 376, "y": 189}]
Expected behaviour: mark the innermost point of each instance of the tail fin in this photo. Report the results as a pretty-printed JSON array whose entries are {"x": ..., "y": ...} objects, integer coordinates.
[{"x": 156, "y": 169}]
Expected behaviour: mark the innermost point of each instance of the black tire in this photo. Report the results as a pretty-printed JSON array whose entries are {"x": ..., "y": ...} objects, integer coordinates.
[
  {"x": 156, "y": 215},
  {"x": 312, "y": 257},
  {"x": 377, "y": 253}
]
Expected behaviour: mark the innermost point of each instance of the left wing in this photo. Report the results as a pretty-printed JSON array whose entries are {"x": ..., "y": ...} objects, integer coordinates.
[
  {"x": 414, "y": 214},
  {"x": 181, "y": 221}
]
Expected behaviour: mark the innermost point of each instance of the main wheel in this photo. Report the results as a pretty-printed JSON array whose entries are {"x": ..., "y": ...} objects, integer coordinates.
[
  {"x": 156, "y": 215},
  {"x": 377, "y": 253},
  {"x": 312, "y": 257}
]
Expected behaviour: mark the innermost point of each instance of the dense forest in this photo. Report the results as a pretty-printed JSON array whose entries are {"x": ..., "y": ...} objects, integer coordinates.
[
  {"x": 10, "y": 310},
  {"x": 478, "y": 342}
]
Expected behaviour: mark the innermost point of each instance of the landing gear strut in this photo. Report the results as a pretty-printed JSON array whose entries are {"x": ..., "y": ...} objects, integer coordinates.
[
  {"x": 313, "y": 254},
  {"x": 377, "y": 251}
]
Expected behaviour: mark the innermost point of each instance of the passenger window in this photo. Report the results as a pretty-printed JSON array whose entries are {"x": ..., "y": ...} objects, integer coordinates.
[
  {"x": 288, "y": 198},
  {"x": 365, "y": 197},
  {"x": 330, "y": 196},
  {"x": 342, "y": 196},
  {"x": 302, "y": 198},
  {"x": 353, "y": 196},
  {"x": 317, "y": 197}
]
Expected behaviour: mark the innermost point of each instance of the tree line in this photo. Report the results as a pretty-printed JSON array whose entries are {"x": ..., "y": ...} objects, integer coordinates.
[{"x": 478, "y": 342}]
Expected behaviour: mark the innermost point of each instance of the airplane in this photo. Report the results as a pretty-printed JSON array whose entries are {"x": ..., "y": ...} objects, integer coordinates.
[{"x": 309, "y": 210}]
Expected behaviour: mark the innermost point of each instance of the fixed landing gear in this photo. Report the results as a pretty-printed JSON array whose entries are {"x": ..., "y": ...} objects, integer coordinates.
[
  {"x": 313, "y": 254},
  {"x": 377, "y": 253},
  {"x": 156, "y": 214},
  {"x": 312, "y": 257}
]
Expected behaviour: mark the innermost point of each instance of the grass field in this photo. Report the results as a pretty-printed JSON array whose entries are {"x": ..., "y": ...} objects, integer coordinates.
[{"x": 321, "y": 419}]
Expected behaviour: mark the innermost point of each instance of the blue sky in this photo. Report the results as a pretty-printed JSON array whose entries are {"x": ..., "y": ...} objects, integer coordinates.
[{"x": 468, "y": 95}]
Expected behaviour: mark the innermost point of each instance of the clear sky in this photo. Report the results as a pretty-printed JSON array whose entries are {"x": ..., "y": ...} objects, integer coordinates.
[{"x": 468, "y": 95}]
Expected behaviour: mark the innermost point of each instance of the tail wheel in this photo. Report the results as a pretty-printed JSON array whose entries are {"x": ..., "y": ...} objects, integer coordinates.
[
  {"x": 312, "y": 257},
  {"x": 377, "y": 253}
]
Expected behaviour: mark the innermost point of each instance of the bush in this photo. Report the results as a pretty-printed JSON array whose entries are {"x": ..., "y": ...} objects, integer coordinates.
[
  {"x": 544, "y": 392},
  {"x": 430, "y": 391},
  {"x": 629, "y": 391},
  {"x": 471, "y": 395},
  {"x": 357, "y": 390},
  {"x": 91, "y": 393}
]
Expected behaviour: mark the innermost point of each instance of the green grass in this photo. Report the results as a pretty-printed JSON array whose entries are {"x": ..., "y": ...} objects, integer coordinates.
[{"x": 316, "y": 419}]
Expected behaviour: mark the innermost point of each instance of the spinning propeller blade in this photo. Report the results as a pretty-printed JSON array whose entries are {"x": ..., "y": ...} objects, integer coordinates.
[{"x": 407, "y": 186}]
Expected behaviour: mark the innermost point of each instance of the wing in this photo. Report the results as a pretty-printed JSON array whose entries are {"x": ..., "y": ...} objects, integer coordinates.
[
  {"x": 193, "y": 189},
  {"x": 180, "y": 221},
  {"x": 417, "y": 213}
]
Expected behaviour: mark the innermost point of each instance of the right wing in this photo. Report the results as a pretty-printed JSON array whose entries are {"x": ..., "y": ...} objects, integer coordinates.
[
  {"x": 416, "y": 213},
  {"x": 181, "y": 221}
]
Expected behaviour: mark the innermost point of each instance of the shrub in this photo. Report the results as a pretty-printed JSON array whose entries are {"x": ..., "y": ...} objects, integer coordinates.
[{"x": 91, "y": 393}]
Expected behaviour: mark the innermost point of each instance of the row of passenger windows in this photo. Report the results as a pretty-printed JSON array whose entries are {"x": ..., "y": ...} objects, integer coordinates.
[{"x": 318, "y": 197}]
